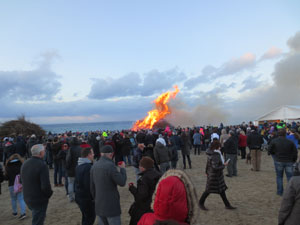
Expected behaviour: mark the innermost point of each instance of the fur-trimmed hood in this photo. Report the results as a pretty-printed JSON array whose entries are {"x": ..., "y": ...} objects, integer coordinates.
[{"x": 190, "y": 198}]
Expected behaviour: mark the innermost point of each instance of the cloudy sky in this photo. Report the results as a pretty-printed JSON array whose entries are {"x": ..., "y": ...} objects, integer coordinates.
[{"x": 93, "y": 61}]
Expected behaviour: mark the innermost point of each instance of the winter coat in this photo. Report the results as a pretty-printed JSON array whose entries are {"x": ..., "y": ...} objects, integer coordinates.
[
  {"x": 186, "y": 144},
  {"x": 143, "y": 194},
  {"x": 56, "y": 147},
  {"x": 242, "y": 140},
  {"x": 82, "y": 180},
  {"x": 289, "y": 213},
  {"x": 161, "y": 153},
  {"x": 20, "y": 146},
  {"x": 36, "y": 183},
  {"x": 71, "y": 161},
  {"x": 197, "y": 139},
  {"x": 231, "y": 146},
  {"x": 176, "y": 141},
  {"x": 254, "y": 140},
  {"x": 13, "y": 168},
  {"x": 126, "y": 147},
  {"x": 283, "y": 150},
  {"x": 31, "y": 142},
  {"x": 224, "y": 137},
  {"x": 105, "y": 178},
  {"x": 175, "y": 198},
  {"x": 214, "y": 170}
]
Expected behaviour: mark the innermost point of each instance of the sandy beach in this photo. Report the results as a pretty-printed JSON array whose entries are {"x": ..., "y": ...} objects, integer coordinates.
[{"x": 253, "y": 193}]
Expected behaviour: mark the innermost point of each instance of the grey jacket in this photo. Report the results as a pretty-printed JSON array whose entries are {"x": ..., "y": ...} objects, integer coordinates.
[
  {"x": 289, "y": 213},
  {"x": 105, "y": 178},
  {"x": 161, "y": 153}
]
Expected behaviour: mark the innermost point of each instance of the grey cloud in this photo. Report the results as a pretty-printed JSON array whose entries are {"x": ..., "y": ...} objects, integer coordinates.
[
  {"x": 38, "y": 84},
  {"x": 234, "y": 66},
  {"x": 250, "y": 83},
  {"x": 134, "y": 84},
  {"x": 294, "y": 42}
]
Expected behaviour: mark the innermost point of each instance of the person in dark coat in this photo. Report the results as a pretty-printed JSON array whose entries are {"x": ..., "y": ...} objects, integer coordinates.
[
  {"x": 215, "y": 178},
  {"x": 12, "y": 169},
  {"x": 57, "y": 161},
  {"x": 126, "y": 149},
  {"x": 285, "y": 155},
  {"x": 71, "y": 163},
  {"x": 36, "y": 184},
  {"x": 231, "y": 151},
  {"x": 162, "y": 155},
  {"x": 21, "y": 146},
  {"x": 105, "y": 178},
  {"x": 31, "y": 142},
  {"x": 186, "y": 148},
  {"x": 62, "y": 155},
  {"x": 289, "y": 213},
  {"x": 83, "y": 195},
  {"x": 254, "y": 142},
  {"x": 144, "y": 190}
]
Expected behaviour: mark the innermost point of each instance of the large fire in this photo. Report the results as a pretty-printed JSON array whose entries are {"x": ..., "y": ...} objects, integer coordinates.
[{"x": 160, "y": 111}]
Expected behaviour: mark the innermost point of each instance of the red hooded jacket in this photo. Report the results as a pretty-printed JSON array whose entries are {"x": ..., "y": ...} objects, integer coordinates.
[{"x": 170, "y": 202}]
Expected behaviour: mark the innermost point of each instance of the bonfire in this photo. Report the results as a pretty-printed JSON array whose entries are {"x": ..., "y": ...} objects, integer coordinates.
[{"x": 160, "y": 111}]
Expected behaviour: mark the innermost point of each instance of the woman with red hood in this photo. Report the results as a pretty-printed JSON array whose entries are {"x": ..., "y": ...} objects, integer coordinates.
[{"x": 175, "y": 199}]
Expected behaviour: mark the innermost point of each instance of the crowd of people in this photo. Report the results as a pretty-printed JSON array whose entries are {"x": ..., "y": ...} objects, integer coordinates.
[{"x": 91, "y": 165}]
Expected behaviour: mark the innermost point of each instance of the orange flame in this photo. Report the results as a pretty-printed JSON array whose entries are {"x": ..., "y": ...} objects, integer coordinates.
[{"x": 160, "y": 111}]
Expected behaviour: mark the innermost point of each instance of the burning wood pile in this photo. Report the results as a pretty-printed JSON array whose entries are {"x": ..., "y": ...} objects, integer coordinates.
[{"x": 161, "y": 110}]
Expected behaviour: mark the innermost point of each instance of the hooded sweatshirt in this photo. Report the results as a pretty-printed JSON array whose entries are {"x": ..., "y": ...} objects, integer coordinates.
[{"x": 82, "y": 179}]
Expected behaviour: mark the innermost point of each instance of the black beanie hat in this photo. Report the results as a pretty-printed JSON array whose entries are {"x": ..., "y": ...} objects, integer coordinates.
[
  {"x": 106, "y": 149},
  {"x": 146, "y": 162}
]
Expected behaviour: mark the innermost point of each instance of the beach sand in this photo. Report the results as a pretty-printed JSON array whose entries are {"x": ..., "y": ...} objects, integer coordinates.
[{"x": 253, "y": 193}]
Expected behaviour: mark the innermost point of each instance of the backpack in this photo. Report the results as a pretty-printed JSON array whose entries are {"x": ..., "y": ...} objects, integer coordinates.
[{"x": 17, "y": 185}]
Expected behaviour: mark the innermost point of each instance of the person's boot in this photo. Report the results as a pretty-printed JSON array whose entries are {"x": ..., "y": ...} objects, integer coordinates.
[
  {"x": 190, "y": 166},
  {"x": 230, "y": 207},
  {"x": 203, "y": 207},
  {"x": 184, "y": 166}
]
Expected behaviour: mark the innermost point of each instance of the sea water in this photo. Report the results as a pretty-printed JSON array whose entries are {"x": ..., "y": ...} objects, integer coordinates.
[{"x": 85, "y": 127}]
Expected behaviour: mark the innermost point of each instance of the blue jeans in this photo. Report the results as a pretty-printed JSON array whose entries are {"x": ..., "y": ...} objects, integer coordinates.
[
  {"x": 279, "y": 168},
  {"x": 116, "y": 220},
  {"x": 58, "y": 170},
  {"x": 129, "y": 159},
  {"x": 71, "y": 183},
  {"x": 17, "y": 197},
  {"x": 39, "y": 214}
]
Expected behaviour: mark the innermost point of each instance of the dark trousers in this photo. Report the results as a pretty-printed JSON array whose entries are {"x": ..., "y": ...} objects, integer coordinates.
[
  {"x": 206, "y": 194},
  {"x": 38, "y": 214},
  {"x": 87, "y": 208},
  {"x": 197, "y": 149},
  {"x": 173, "y": 164},
  {"x": 58, "y": 170},
  {"x": 189, "y": 160},
  {"x": 243, "y": 152}
]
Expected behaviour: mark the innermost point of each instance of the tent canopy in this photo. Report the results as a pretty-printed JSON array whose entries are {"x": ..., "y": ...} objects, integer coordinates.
[{"x": 287, "y": 112}]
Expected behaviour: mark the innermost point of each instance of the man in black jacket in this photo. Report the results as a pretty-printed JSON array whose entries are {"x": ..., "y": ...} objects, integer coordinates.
[
  {"x": 230, "y": 150},
  {"x": 83, "y": 195},
  {"x": 36, "y": 184},
  {"x": 254, "y": 142},
  {"x": 71, "y": 163},
  {"x": 285, "y": 155}
]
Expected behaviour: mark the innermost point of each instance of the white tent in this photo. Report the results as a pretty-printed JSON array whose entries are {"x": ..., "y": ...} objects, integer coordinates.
[{"x": 287, "y": 112}]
